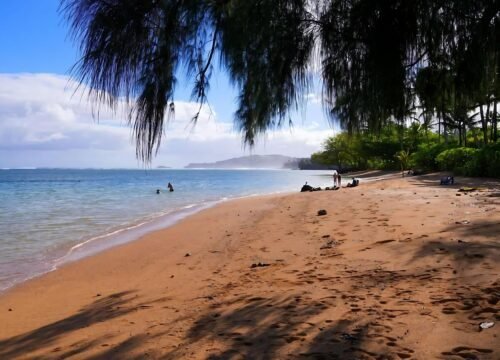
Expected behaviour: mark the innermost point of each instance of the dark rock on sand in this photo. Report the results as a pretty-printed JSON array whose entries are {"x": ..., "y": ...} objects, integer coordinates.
[
  {"x": 306, "y": 188},
  {"x": 259, "y": 264}
]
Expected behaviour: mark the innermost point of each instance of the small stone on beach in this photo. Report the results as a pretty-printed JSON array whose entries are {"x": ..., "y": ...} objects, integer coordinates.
[
  {"x": 328, "y": 245},
  {"x": 259, "y": 264},
  {"x": 187, "y": 255},
  {"x": 322, "y": 212}
]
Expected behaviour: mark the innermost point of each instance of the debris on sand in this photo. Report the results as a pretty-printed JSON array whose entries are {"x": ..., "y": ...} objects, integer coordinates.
[
  {"x": 466, "y": 189},
  {"x": 259, "y": 264},
  {"x": 486, "y": 325},
  {"x": 329, "y": 244},
  {"x": 349, "y": 337},
  {"x": 322, "y": 212}
]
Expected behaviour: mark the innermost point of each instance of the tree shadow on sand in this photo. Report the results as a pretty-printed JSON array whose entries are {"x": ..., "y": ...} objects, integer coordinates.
[
  {"x": 469, "y": 290},
  {"x": 370, "y": 318},
  {"x": 433, "y": 180},
  {"x": 258, "y": 328},
  {"x": 465, "y": 249},
  {"x": 350, "y": 324},
  {"x": 100, "y": 310}
]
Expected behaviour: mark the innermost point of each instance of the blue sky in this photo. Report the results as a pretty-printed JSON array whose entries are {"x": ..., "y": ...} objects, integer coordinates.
[
  {"x": 33, "y": 38},
  {"x": 43, "y": 124}
]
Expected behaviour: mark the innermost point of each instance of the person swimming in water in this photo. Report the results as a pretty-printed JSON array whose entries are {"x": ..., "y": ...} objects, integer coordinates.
[{"x": 170, "y": 187}]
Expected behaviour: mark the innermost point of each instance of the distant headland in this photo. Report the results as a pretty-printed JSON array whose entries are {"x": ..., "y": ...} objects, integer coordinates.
[{"x": 259, "y": 162}]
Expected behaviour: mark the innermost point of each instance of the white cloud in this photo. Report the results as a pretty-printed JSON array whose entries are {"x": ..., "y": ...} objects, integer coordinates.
[{"x": 46, "y": 120}]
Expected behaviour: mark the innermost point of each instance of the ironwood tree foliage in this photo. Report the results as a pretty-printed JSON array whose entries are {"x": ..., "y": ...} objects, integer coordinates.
[{"x": 370, "y": 54}]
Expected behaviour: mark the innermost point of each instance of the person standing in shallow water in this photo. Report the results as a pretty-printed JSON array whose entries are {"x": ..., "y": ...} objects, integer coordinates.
[
  {"x": 335, "y": 177},
  {"x": 170, "y": 187}
]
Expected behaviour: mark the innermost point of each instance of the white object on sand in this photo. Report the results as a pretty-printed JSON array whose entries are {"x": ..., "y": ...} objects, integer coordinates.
[{"x": 486, "y": 325}]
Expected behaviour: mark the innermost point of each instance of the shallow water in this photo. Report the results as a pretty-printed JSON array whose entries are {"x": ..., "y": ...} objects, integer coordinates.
[{"x": 48, "y": 217}]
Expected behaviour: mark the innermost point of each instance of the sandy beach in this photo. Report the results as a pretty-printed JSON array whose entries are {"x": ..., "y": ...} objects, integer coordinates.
[{"x": 400, "y": 268}]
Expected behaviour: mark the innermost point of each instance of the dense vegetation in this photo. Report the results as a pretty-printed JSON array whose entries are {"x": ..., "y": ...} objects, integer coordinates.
[
  {"x": 413, "y": 147},
  {"x": 379, "y": 61}
]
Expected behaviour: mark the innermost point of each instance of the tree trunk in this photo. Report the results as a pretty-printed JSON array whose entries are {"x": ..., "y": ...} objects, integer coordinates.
[
  {"x": 487, "y": 118},
  {"x": 460, "y": 133},
  {"x": 439, "y": 128},
  {"x": 445, "y": 130},
  {"x": 484, "y": 124},
  {"x": 465, "y": 133},
  {"x": 495, "y": 122}
]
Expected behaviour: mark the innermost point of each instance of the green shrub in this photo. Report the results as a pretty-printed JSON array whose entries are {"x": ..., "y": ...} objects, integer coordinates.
[
  {"x": 460, "y": 160},
  {"x": 382, "y": 164},
  {"x": 425, "y": 156},
  {"x": 486, "y": 162},
  {"x": 492, "y": 159}
]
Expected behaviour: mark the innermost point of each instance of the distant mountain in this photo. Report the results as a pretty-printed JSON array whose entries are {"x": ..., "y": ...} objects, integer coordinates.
[
  {"x": 163, "y": 167},
  {"x": 250, "y": 162}
]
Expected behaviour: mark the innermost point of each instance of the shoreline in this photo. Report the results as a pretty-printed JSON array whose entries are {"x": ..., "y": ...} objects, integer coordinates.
[
  {"x": 393, "y": 260},
  {"x": 107, "y": 241},
  {"x": 135, "y": 230},
  {"x": 152, "y": 223},
  {"x": 123, "y": 235},
  {"x": 37, "y": 241}
]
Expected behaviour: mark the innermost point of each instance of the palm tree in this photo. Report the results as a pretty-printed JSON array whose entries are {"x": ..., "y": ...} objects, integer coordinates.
[{"x": 403, "y": 157}]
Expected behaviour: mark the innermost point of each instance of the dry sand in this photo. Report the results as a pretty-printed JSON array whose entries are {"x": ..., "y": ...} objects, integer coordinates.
[{"x": 397, "y": 269}]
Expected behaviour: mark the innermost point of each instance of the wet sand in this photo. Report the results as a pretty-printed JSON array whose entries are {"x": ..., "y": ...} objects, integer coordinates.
[{"x": 397, "y": 269}]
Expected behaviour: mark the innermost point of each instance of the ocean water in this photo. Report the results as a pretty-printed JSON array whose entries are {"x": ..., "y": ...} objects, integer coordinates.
[{"x": 51, "y": 216}]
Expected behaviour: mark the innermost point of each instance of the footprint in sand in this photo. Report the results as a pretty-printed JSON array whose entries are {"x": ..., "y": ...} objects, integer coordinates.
[{"x": 466, "y": 352}]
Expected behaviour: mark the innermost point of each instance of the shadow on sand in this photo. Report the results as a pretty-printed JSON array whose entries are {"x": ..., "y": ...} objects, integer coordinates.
[
  {"x": 433, "y": 180},
  {"x": 101, "y": 310}
]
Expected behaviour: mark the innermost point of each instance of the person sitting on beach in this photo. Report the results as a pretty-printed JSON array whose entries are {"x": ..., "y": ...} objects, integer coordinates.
[
  {"x": 306, "y": 187},
  {"x": 354, "y": 183},
  {"x": 447, "y": 180},
  {"x": 170, "y": 187}
]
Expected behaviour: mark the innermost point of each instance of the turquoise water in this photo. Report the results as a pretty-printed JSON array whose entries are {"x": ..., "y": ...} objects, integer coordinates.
[{"x": 49, "y": 217}]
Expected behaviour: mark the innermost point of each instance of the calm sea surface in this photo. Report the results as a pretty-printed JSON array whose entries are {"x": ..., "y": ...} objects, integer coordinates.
[{"x": 49, "y": 217}]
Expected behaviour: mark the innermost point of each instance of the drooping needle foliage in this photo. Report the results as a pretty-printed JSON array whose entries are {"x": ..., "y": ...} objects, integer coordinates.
[{"x": 379, "y": 60}]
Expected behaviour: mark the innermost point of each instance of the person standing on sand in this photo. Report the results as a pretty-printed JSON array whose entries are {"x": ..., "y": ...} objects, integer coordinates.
[
  {"x": 339, "y": 180},
  {"x": 335, "y": 177}
]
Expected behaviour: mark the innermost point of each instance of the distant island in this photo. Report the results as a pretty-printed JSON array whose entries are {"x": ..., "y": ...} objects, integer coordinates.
[
  {"x": 258, "y": 162},
  {"x": 250, "y": 162},
  {"x": 163, "y": 167}
]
